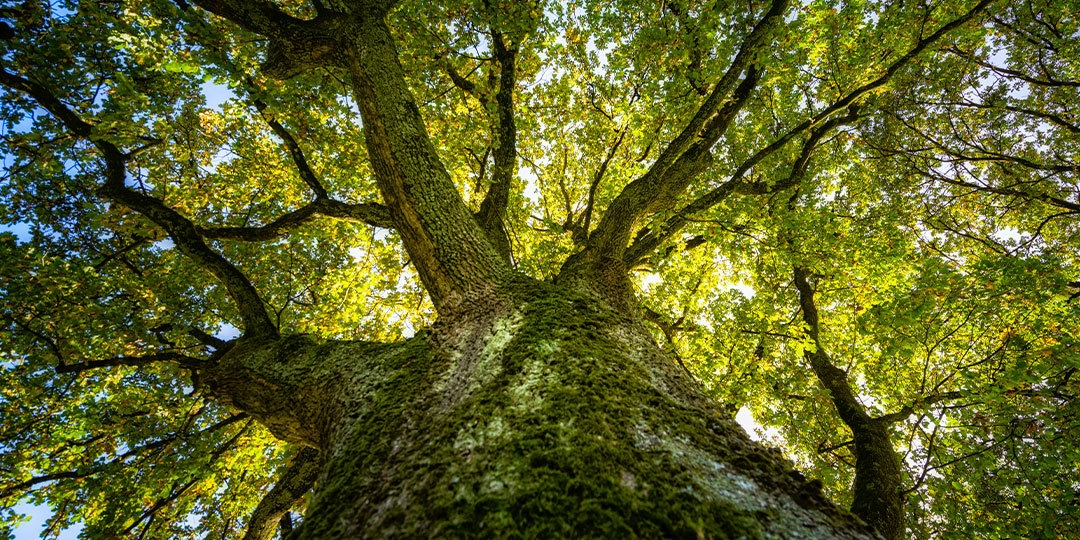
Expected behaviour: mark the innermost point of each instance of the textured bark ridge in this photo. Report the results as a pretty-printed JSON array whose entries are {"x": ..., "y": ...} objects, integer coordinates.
[{"x": 553, "y": 417}]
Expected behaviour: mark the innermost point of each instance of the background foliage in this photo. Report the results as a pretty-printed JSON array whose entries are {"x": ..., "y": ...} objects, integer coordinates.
[{"x": 940, "y": 225}]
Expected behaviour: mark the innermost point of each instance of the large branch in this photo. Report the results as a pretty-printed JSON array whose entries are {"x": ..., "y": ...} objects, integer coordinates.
[
  {"x": 492, "y": 214},
  {"x": 832, "y": 378},
  {"x": 184, "y": 234},
  {"x": 907, "y": 410},
  {"x": 878, "y": 483},
  {"x": 852, "y": 97},
  {"x": 453, "y": 256},
  {"x": 819, "y": 125},
  {"x": 670, "y": 173},
  {"x": 464, "y": 84},
  {"x": 648, "y": 240}
]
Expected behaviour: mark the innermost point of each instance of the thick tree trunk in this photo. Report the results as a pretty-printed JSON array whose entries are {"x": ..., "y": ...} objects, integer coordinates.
[{"x": 550, "y": 416}]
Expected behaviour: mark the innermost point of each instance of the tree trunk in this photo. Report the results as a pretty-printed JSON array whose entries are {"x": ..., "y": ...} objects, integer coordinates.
[{"x": 551, "y": 415}]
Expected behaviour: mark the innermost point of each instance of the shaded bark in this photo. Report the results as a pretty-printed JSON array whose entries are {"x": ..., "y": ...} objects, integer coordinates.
[{"x": 492, "y": 213}]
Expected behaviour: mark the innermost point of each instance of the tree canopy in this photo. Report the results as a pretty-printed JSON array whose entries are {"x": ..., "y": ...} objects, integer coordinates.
[{"x": 835, "y": 214}]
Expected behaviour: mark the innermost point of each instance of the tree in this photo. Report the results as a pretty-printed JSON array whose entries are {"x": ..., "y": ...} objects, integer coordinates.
[{"x": 408, "y": 277}]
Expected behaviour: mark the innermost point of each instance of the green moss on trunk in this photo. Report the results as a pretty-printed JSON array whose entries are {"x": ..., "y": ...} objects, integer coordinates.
[{"x": 560, "y": 418}]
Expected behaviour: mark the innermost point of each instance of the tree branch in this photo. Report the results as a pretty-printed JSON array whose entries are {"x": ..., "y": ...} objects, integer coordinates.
[
  {"x": 297, "y": 479},
  {"x": 207, "y": 339},
  {"x": 373, "y": 214},
  {"x": 297, "y": 154},
  {"x": 877, "y": 490},
  {"x": 183, "y": 233},
  {"x": 492, "y": 214},
  {"x": 832, "y": 378},
  {"x": 1057, "y": 119},
  {"x": 672, "y": 171},
  {"x": 996, "y": 158},
  {"x": 463, "y": 83},
  {"x": 649, "y": 240},
  {"x": 581, "y": 235},
  {"x": 908, "y": 410},
  {"x": 258, "y": 16},
  {"x": 183, "y": 360},
  {"x": 937, "y": 397},
  {"x": 136, "y": 242},
  {"x": 798, "y": 169},
  {"x": 19, "y": 488},
  {"x": 178, "y": 489},
  {"x": 452, "y": 254},
  {"x": 49, "y": 342},
  {"x": 823, "y": 448},
  {"x": 1013, "y": 74}
]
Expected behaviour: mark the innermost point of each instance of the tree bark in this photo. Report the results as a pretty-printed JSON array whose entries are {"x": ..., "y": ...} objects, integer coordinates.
[{"x": 555, "y": 416}]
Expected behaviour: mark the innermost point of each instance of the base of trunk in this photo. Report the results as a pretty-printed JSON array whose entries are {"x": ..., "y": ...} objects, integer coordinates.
[{"x": 558, "y": 418}]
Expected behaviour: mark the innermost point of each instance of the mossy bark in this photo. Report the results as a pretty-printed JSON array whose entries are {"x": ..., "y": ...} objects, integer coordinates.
[{"x": 552, "y": 416}]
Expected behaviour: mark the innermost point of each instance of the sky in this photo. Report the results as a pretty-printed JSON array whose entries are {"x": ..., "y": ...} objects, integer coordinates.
[{"x": 32, "y": 529}]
